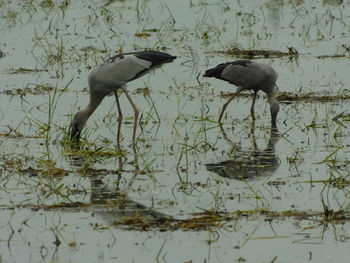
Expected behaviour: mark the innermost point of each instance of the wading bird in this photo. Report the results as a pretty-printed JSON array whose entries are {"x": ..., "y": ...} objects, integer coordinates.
[
  {"x": 112, "y": 75},
  {"x": 248, "y": 75}
]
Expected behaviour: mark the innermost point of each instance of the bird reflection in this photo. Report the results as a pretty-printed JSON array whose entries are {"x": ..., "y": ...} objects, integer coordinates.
[
  {"x": 111, "y": 203},
  {"x": 274, "y": 14},
  {"x": 249, "y": 165},
  {"x": 115, "y": 209}
]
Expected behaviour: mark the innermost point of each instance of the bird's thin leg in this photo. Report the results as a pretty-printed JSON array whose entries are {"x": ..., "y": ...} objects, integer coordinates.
[
  {"x": 136, "y": 113},
  {"x": 227, "y": 103},
  {"x": 253, "y": 105},
  {"x": 120, "y": 117}
]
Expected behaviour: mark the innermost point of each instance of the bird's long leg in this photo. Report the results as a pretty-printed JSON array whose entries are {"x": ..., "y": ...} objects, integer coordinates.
[
  {"x": 227, "y": 103},
  {"x": 120, "y": 117},
  {"x": 253, "y": 105},
  {"x": 136, "y": 113}
]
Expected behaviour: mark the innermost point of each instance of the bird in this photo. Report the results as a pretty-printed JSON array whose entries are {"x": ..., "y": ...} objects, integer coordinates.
[
  {"x": 114, "y": 74},
  {"x": 248, "y": 75}
]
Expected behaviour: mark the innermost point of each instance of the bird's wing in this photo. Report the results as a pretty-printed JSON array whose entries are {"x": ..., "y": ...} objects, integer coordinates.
[
  {"x": 245, "y": 76},
  {"x": 155, "y": 57},
  {"x": 120, "y": 69}
]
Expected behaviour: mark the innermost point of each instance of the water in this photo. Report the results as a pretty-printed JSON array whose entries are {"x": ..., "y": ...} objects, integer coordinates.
[{"x": 178, "y": 197}]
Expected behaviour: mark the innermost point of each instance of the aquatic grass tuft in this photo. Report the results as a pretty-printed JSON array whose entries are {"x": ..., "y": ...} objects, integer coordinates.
[{"x": 239, "y": 52}]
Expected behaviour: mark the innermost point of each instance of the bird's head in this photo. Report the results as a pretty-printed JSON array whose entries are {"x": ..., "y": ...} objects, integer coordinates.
[{"x": 77, "y": 125}]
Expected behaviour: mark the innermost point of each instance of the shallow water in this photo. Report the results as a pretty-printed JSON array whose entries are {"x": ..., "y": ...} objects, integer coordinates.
[{"x": 101, "y": 204}]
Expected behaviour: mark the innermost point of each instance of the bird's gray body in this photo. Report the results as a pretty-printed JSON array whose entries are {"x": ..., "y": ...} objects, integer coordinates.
[
  {"x": 117, "y": 71},
  {"x": 248, "y": 75},
  {"x": 114, "y": 74}
]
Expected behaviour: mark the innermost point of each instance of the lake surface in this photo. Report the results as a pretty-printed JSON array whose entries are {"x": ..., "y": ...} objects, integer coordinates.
[{"x": 191, "y": 191}]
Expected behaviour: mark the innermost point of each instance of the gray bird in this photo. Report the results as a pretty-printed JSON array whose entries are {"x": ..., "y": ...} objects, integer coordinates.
[
  {"x": 112, "y": 75},
  {"x": 248, "y": 75}
]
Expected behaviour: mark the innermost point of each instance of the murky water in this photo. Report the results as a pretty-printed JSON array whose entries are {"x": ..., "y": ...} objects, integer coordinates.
[{"x": 191, "y": 192}]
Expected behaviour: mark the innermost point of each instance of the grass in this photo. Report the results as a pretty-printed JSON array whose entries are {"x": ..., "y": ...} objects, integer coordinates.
[
  {"x": 149, "y": 220},
  {"x": 239, "y": 52},
  {"x": 24, "y": 71},
  {"x": 311, "y": 97}
]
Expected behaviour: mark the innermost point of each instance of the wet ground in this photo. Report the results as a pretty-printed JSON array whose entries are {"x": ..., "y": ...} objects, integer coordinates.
[{"x": 191, "y": 191}]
